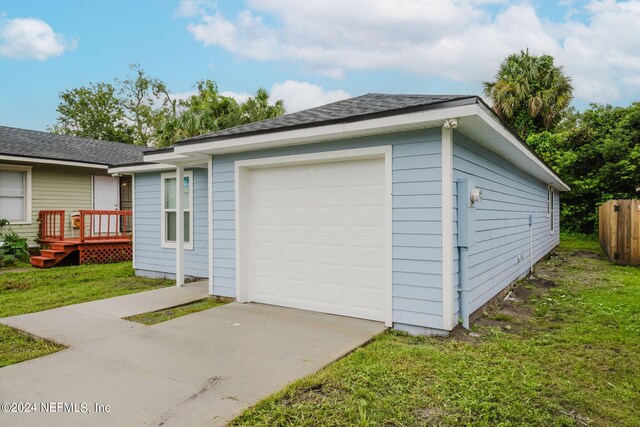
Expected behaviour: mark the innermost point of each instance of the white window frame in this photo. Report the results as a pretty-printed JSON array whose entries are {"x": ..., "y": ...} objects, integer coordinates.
[
  {"x": 163, "y": 217},
  {"x": 27, "y": 191}
]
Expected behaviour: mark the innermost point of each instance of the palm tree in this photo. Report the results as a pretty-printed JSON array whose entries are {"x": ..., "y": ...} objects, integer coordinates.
[{"x": 529, "y": 92}]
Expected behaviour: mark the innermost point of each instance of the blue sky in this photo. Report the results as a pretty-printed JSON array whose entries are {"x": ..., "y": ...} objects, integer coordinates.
[{"x": 308, "y": 53}]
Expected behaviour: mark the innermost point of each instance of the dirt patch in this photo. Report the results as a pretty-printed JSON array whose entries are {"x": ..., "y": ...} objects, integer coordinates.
[
  {"x": 430, "y": 415},
  {"x": 586, "y": 254}
]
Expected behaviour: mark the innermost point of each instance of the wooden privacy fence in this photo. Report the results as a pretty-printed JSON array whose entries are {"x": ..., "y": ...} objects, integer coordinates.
[{"x": 619, "y": 231}]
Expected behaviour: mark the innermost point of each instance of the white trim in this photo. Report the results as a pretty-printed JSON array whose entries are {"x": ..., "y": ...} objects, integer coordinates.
[
  {"x": 242, "y": 167},
  {"x": 396, "y": 123},
  {"x": 154, "y": 167},
  {"x": 172, "y": 245},
  {"x": 133, "y": 220},
  {"x": 53, "y": 162},
  {"x": 210, "y": 220},
  {"x": 28, "y": 191},
  {"x": 180, "y": 222},
  {"x": 448, "y": 322},
  {"x": 159, "y": 157}
]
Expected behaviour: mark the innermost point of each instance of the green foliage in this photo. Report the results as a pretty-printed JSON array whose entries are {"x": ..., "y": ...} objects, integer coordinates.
[
  {"x": 597, "y": 153},
  {"x": 93, "y": 111},
  {"x": 140, "y": 109},
  {"x": 154, "y": 317},
  {"x": 529, "y": 92},
  {"x": 14, "y": 248},
  {"x": 208, "y": 111}
]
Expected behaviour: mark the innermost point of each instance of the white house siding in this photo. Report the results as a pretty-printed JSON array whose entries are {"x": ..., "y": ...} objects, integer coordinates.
[
  {"x": 502, "y": 221},
  {"x": 417, "y": 270},
  {"x": 150, "y": 258}
]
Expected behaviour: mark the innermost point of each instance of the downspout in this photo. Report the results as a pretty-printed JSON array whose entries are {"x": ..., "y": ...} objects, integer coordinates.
[
  {"x": 530, "y": 244},
  {"x": 463, "y": 290}
]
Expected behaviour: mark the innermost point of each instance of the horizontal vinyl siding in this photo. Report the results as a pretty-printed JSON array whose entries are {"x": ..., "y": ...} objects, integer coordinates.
[
  {"x": 149, "y": 255},
  {"x": 417, "y": 271},
  {"x": 57, "y": 188},
  {"x": 502, "y": 220}
]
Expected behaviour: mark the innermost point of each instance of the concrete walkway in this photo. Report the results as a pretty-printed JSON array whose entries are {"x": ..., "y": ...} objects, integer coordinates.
[{"x": 200, "y": 369}]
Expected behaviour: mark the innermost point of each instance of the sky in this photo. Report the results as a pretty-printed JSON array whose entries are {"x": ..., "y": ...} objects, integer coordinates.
[{"x": 310, "y": 52}]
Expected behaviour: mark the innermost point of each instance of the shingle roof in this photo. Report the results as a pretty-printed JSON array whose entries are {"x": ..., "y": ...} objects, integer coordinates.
[
  {"x": 45, "y": 145},
  {"x": 350, "y": 109}
]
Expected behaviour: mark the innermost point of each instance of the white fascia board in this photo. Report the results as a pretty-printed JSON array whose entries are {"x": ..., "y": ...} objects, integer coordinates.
[
  {"x": 52, "y": 162},
  {"x": 152, "y": 167},
  {"x": 552, "y": 178},
  {"x": 396, "y": 123},
  {"x": 169, "y": 156}
]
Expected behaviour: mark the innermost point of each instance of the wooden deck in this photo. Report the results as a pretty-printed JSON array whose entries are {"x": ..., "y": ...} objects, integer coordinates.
[{"x": 103, "y": 237}]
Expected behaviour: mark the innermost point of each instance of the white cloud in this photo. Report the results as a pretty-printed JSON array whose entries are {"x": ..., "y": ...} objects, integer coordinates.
[
  {"x": 460, "y": 40},
  {"x": 241, "y": 97},
  {"x": 31, "y": 38},
  {"x": 302, "y": 95}
]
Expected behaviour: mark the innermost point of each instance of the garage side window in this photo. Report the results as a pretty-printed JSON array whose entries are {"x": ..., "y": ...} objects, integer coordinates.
[
  {"x": 169, "y": 231},
  {"x": 15, "y": 194}
]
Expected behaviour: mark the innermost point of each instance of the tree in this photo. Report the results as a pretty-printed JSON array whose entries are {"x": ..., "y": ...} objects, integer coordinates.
[
  {"x": 529, "y": 92},
  {"x": 146, "y": 104},
  {"x": 92, "y": 111},
  {"x": 598, "y": 155},
  {"x": 129, "y": 110},
  {"x": 208, "y": 111}
]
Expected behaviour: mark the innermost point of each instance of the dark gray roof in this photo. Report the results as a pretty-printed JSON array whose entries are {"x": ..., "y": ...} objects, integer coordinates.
[
  {"x": 352, "y": 109},
  {"x": 45, "y": 145}
]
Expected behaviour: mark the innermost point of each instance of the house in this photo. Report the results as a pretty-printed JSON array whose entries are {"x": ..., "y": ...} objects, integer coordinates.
[
  {"x": 413, "y": 210},
  {"x": 56, "y": 175}
]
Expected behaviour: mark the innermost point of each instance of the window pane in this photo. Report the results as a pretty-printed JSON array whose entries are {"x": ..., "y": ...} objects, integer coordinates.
[
  {"x": 12, "y": 208},
  {"x": 185, "y": 196},
  {"x": 11, "y": 184},
  {"x": 170, "y": 226},
  {"x": 171, "y": 229},
  {"x": 170, "y": 193},
  {"x": 186, "y": 227}
]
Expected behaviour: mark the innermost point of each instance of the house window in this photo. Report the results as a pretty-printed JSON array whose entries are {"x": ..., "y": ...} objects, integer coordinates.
[
  {"x": 15, "y": 193},
  {"x": 169, "y": 231}
]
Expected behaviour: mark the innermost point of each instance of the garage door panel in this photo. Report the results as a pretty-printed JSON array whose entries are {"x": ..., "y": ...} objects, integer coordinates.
[{"x": 316, "y": 238}]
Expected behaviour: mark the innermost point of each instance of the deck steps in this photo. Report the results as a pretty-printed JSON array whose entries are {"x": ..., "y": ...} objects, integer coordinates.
[{"x": 50, "y": 257}]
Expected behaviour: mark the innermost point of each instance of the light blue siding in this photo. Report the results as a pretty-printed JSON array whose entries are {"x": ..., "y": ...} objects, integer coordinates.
[
  {"x": 150, "y": 257},
  {"x": 417, "y": 257},
  {"x": 502, "y": 220}
]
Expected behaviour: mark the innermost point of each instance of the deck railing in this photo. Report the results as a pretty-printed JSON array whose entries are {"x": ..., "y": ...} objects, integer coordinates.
[
  {"x": 105, "y": 225},
  {"x": 94, "y": 225},
  {"x": 51, "y": 225}
]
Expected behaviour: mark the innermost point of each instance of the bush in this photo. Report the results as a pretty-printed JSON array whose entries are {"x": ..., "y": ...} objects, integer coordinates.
[{"x": 14, "y": 248}]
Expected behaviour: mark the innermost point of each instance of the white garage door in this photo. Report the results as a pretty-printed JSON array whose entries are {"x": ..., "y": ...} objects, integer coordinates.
[{"x": 316, "y": 237}]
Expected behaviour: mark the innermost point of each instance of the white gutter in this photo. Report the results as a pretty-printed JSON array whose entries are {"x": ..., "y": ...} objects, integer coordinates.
[{"x": 52, "y": 162}]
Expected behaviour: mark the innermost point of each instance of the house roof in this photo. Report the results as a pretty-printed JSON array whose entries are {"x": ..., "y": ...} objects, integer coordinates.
[
  {"x": 369, "y": 114},
  {"x": 352, "y": 109},
  {"x": 44, "y": 145}
]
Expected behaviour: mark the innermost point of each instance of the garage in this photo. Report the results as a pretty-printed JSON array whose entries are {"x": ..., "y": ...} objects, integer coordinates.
[{"x": 314, "y": 235}]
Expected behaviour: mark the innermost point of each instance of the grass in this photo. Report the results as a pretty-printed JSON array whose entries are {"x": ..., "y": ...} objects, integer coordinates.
[
  {"x": 562, "y": 352},
  {"x": 37, "y": 290},
  {"x": 16, "y": 346},
  {"x": 153, "y": 317}
]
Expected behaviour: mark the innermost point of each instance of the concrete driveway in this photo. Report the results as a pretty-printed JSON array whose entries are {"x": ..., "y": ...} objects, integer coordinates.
[{"x": 201, "y": 369}]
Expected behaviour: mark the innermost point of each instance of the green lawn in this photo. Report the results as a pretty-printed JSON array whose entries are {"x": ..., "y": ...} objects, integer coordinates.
[
  {"x": 153, "y": 317},
  {"x": 37, "y": 290},
  {"x": 566, "y": 352}
]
